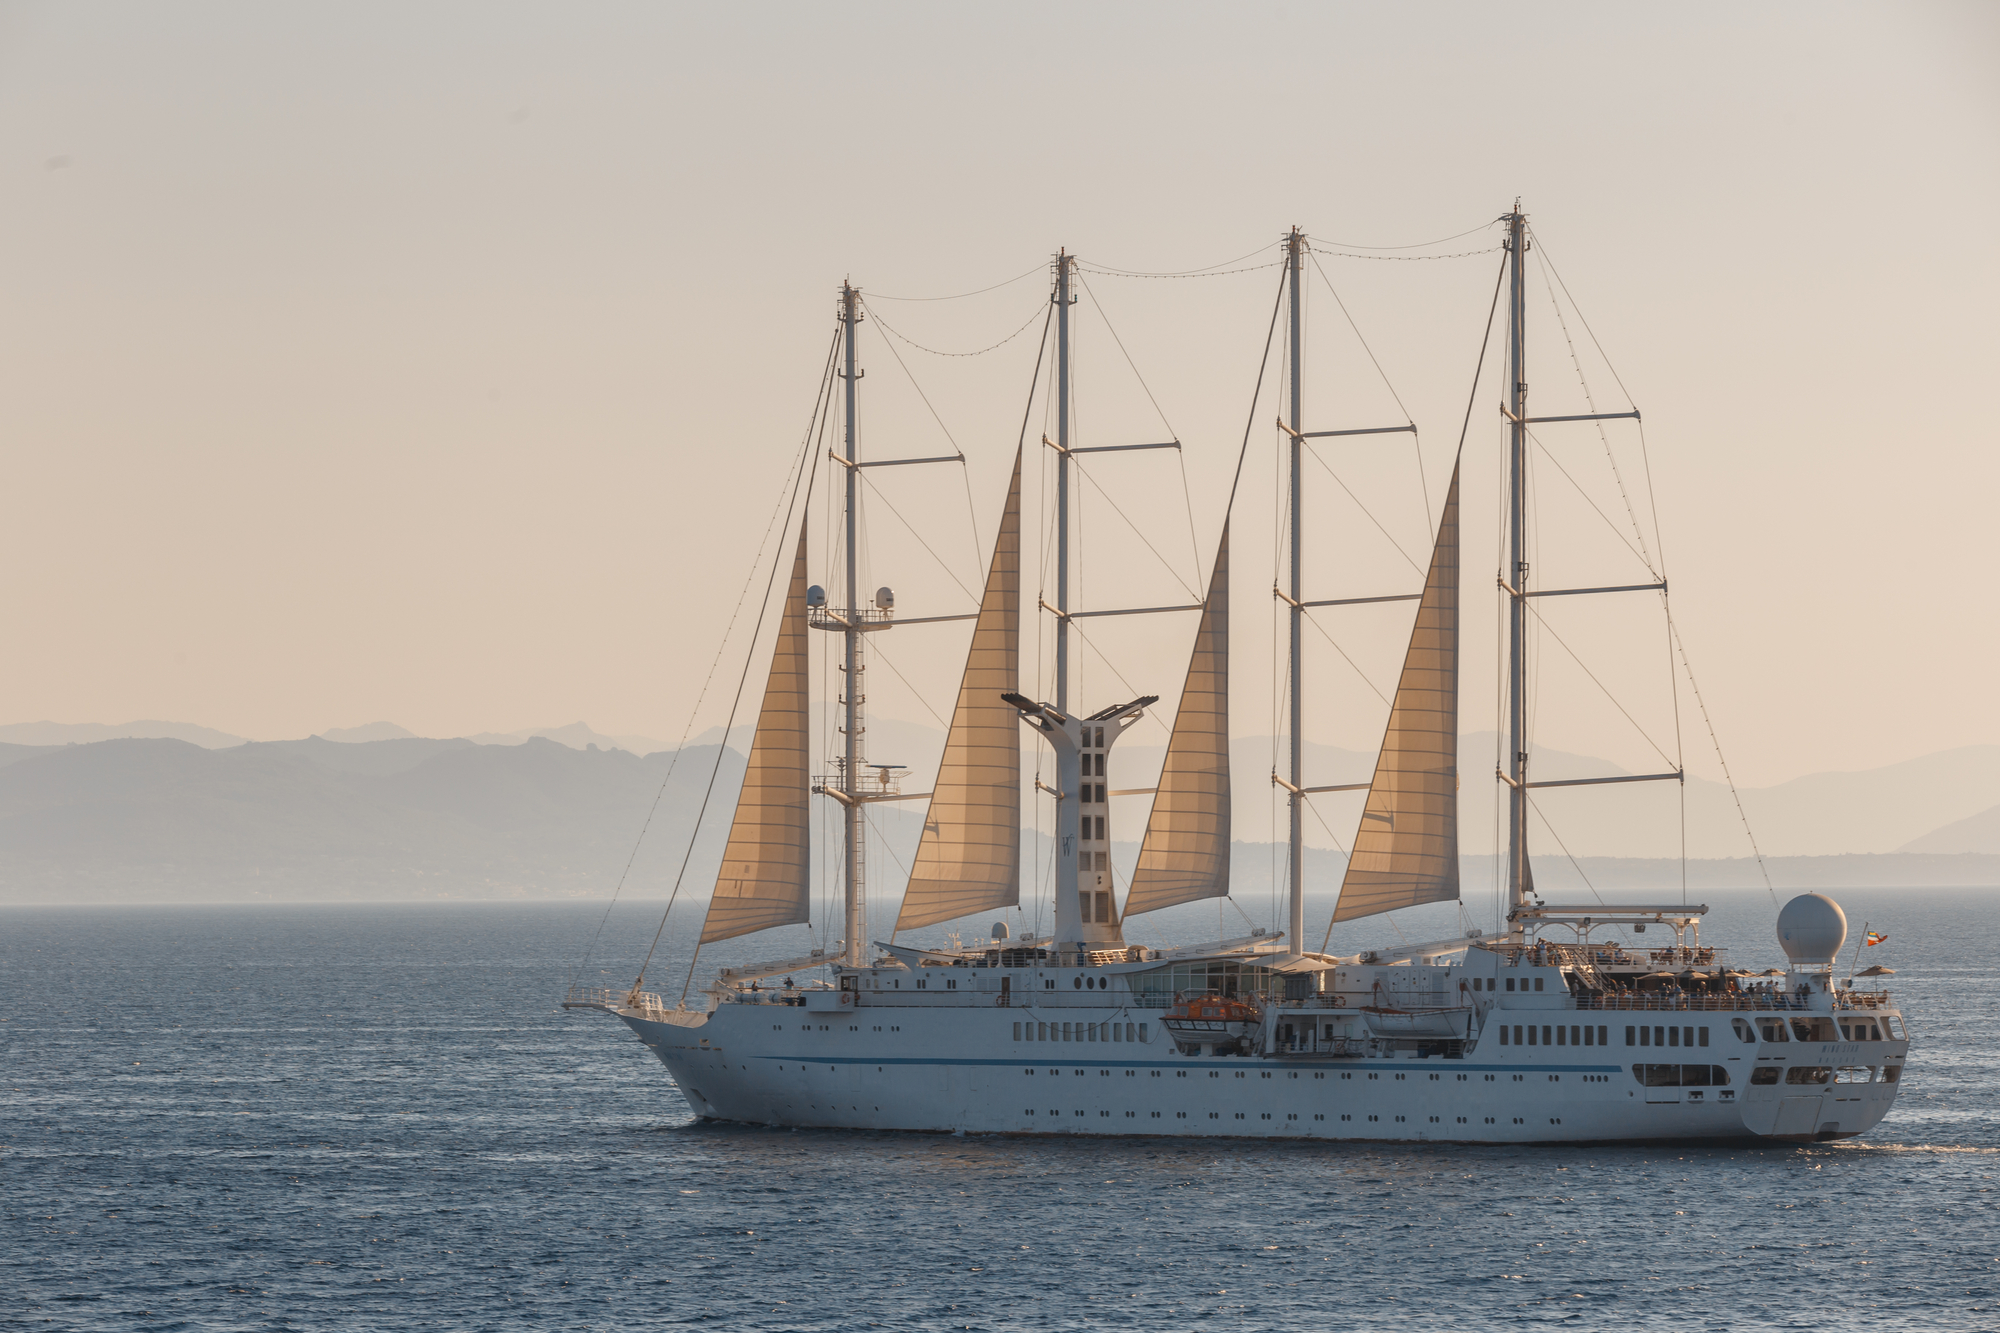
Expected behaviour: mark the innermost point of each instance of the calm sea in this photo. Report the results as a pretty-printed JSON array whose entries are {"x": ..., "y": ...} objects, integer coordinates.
[{"x": 376, "y": 1118}]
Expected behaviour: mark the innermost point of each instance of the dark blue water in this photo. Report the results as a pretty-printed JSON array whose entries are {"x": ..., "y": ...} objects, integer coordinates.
[{"x": 375, "y": 1118}]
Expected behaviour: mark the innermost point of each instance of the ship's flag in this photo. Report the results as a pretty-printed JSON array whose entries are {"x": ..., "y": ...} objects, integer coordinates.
[{"x": 1874, "y": 937}]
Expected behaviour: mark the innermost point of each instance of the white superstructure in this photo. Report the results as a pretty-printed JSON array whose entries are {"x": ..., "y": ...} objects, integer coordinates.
[{"x": 1548, "y": 1032}]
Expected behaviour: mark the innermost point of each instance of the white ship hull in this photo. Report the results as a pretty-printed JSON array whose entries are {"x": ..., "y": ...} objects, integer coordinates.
[{"x": 952, "y": 1069}]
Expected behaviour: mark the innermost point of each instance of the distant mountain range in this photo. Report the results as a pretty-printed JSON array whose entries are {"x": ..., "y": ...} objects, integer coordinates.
[
  {"x": 368, "y": 813},
  {"x": 409, "y": 817},
  {"x": 576, "y": 735}
]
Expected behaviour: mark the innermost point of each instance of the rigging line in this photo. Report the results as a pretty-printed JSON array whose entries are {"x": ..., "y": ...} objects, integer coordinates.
[
  {"x": 1325, "y": 467},
  {"x": 869, "y": 482},
  {"x": 1542, "y": 249},
  {"x": 1109, "y": 327},
  {"x": 1329, "y": 833},
  {"x": 1543, "y": 622},
  {"x": 1084, "y": 472},
  {"x": 812, "y": 423},
  {"x": 935, "y": 352},
  {"x": 1386, "y": 383},
  {"x": 1348, "y": 245},
  {"x": 1644, "y": 559},
  {"x": 919, "y": 387},
  {"x": 1590, "y": 401},
  {"x": 1536, "y": 807},
  {"x": 1114, "y": 270},
  {"x": 1112, "y": 667},
  {"x": 1256, "y": 396},
  {"x": 962, "y": 295},
  {"x": 972, "y": 512},
  {"x": 1314, "y": 622},
  {"x": 1220, "y": 273},
  {"x": 1417, "y": 259},
  {"x": 1674, "y": 630},
  {"x": 1187, "y": 497},
  {"x": 809, "y": 465},
  {"x": 912, "y": 689},
  {"x": 1480, "y": 368}
]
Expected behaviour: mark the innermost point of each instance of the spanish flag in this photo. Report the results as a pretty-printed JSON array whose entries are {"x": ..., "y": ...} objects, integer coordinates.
[{"x": 1874, "y": 937}]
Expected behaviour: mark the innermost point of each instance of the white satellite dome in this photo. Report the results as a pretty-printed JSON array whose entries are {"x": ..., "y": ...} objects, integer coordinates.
[{"x": 1811, "y": 927}]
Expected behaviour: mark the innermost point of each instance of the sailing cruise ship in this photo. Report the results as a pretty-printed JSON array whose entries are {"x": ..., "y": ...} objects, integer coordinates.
[{"x": 1559, "y": 1028}]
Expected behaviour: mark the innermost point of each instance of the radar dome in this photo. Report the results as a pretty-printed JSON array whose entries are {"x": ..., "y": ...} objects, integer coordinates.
[{"x": 1811, "y": 927}]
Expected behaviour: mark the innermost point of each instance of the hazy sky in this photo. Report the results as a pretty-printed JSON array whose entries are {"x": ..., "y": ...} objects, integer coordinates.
[{"x": 443, "y": 363}]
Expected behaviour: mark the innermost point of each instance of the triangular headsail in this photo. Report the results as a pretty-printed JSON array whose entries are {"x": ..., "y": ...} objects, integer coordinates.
[
  {"x": 1406, "y": 850},
  {"x": 1185, "y": 855},
  {"x": 764, "y": 880},
  {"x": 969, "y": 858}
]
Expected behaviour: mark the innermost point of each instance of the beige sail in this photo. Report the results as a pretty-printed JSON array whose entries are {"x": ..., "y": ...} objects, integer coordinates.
[
  {"x": 1185, "y": 854},
  {"x": 969, "y": 858},
  {"x": 764, "y": 880},
  {"x": 1406, "y": 850}
]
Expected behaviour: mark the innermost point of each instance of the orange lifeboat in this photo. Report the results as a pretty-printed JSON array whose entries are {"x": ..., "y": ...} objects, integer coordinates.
[{"x": 1206, "y": 1018}]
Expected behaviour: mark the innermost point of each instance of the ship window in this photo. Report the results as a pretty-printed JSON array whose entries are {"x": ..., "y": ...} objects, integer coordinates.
[
  {"x": 1091, "y": 1032},
  {"x": 1545, "y": 1036},
  {"x": 1517, "y": 1034},
  {"x": 1763, "y": 1078},
  {"x": 1890, "y": 1073},
  {"x": 1808, "y": 1074},
  {"x": 1628, "y": 1035},
  {"x": 1531, "y": 1033},
  {"x": 1116, "y": 1033},
  {"x": 1041, "y": 1032},
  {"x": 1538, "y": 983},
  {"x": 1673, "y": 1036},
  {"x": 1017, "y": 1032},
  {"x": 1773, "y": 1029},
  {"x": 1704, "y": 1036},
  {"x": 1854, "y": 1074},
  {"x": 1510, "y": 983},
  {"x": 1066, "y": 1033},
  {"x": 1890, "y": 1028},
  {"x": 1659, "y": 1036},
  {"x": 1744, "y": 1032},
  {"x": 1142, "y": 1033},
  {"x": 1559, "y": 1037}
]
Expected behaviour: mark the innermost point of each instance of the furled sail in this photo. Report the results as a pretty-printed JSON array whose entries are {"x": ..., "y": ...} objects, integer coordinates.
[
  {"x": 1406, "y": 850},
  {"x": 969, "y": 858},
  {"x": 764, "y": 877},
  {"x": 1185, "y": 854}
]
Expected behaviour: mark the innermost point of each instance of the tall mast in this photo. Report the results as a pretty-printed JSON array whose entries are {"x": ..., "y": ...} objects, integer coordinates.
[
  {"x": 1063, "y": 299},
  {"x": 1296, "y": 861},
  {"x": 854, "y": 728},
  {"x": 1518, "y": 878}
]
